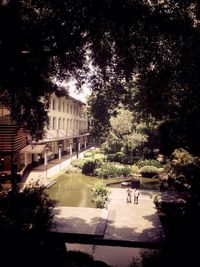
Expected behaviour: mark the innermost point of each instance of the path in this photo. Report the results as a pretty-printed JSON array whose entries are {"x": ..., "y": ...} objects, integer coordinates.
[
  {"x": 125, "y": 224},
  {"x": 46, "y": 175}
]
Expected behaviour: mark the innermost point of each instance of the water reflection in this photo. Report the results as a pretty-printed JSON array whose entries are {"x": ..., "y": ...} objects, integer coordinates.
[
  {"x": 74, "y": 190},
  {"x": 113, "y": 256}
]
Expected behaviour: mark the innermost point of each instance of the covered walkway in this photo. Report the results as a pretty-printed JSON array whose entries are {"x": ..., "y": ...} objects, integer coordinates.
[{"x": 47, "y": 174}]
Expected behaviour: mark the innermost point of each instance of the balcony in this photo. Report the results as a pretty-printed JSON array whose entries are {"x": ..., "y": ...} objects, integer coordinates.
[{"x": 64, "y": 134}]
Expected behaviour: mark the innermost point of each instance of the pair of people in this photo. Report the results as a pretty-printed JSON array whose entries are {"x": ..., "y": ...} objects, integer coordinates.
[{"x": 135, "y": 194}]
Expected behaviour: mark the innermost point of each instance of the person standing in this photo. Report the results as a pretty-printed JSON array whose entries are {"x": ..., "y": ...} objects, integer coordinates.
[
  {"x": 129, "y": 194},
  {"x": 136, "y": 196}
]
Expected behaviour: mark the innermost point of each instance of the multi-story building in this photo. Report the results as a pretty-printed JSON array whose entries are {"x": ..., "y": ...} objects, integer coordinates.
[{"x": 67, "y": 131}]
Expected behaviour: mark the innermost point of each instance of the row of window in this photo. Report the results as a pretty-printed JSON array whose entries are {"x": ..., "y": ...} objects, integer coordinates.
[
  {"x": 66, "y": 124},
  {"x": 65, "y": 107}
]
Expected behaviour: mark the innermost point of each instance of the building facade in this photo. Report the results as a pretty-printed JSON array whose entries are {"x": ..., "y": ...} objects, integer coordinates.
[{"x": 67, "y": 132}]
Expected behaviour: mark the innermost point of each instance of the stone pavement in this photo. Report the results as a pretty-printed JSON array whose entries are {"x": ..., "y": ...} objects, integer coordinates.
[
  {"x": 88, "y": 221},
  {"x": 121, "y": 224},
  {"x": 138, "y": 223}
]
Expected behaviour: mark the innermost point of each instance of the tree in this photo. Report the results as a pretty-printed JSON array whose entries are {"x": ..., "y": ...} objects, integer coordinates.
[
  {"x": 185, "y": 169},
  {"x": 123, "y": 135},
  {"x": 154, "y": 44}
]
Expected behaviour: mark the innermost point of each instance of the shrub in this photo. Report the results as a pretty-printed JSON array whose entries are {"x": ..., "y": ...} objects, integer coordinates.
[
  {"x": 123, "y": 171},
  {"x": 99, "y": 156},
  {"x": 25, "y": 220},
  {"x": 78, "y": 163},
  {"x": 111, "y": 157},
  {"x": 106, "y": 170},
  {"x": 149, "y": 171},
  {"x": 30, "y": 209},
  {"x": 96, "y": 151},
  {"x": 100, "y": 194},
  {"x": 109, "y": 170},
  {"x": 89, "y": 166},
  {"x": 120, "y": 157},
  {"x": 149, "y": 162},
  {"x": 134, "y": 169},
  {"x": 88, "y": 154}
]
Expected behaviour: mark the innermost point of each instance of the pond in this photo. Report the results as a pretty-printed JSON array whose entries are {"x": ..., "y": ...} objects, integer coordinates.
[{"x": 74, "y": 189}]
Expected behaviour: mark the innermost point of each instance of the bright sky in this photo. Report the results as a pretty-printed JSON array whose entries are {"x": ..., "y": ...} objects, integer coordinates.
[{"x": 82, "y": 96}]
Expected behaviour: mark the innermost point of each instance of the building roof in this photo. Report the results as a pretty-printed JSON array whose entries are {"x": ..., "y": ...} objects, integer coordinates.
[{"x": 68, "y": 96}]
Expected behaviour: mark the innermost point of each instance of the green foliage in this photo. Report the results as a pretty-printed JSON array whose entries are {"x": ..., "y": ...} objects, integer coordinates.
[
  {"x": 121, "y": 157},
  {"x": 94, "y": 154},
  {"x": 112, "y": 144},
  {"x": 88, "y": 154},
  {"x": 100, "y": 156},
  {"x": 110, "y": 170},
  {"x": 117, "y": 157},
  {"x": 185, "y": 165},
  {"x": 78, "y": 163},
  {"x": 149, "y": 162},
  {"x": 150, "y": 171},
  {"x": 185, "y": 169},
  {"x": 111, "y": 157},
  {"x": 89, "y": 166},
  {"x": 96, "y": 151},
  {"x": 100, "y": 195},
  {"x": 124, "y": 140},
  {"x": 25, "y": 220},
  {"x": 107, "y": 170},
  {"x": 134, "y": 169},
  {"x": 27, "y": 210},
  {"x": 138, "y": 61}
]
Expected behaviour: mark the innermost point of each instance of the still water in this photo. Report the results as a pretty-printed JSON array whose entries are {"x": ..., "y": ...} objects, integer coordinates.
[
  {"x": 74, "y": 190},
  {"x": 113, "y": 256}
]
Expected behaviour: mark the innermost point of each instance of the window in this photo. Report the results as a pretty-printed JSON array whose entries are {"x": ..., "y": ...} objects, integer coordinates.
[
  {"x": 53, "y": 104},
  {"x": 59, "y": 105},
  {"x": 49, "y": 126},
  {"x": 54, "y": 123},
  {"x": 59, "y": 123},
  {"x": 63, "y": 106}
]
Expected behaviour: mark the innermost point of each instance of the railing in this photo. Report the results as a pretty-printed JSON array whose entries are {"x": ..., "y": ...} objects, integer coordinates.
[{"x": 53, "y": 134}]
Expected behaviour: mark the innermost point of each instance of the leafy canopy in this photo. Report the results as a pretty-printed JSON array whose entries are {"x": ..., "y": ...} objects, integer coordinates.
[
  {"x": 123, "y": 134},
  {"x": 154, "y": 44}
]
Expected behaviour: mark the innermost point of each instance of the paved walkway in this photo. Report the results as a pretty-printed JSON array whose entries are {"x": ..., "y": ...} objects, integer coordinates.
[
  {"x": 87, "y": 221},
  {"x": 138, "y": 223},
  {"x": 46, "y": 175},
  {"x": 121, "y": 224}
]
